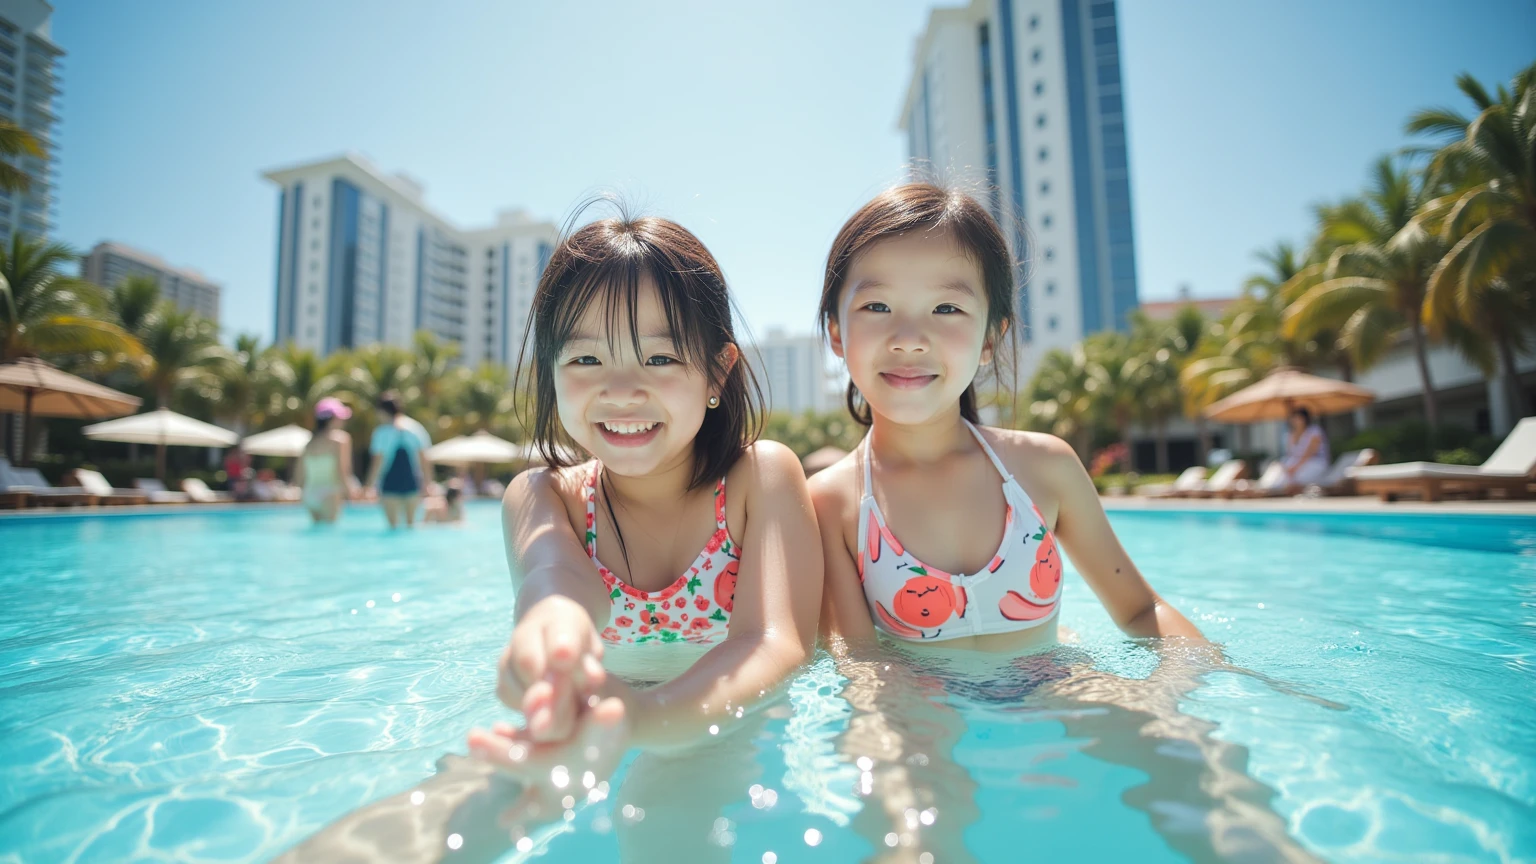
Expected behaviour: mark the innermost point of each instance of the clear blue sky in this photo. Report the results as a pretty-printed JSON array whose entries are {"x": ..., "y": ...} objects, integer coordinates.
[{"x": 759, "y": 126}]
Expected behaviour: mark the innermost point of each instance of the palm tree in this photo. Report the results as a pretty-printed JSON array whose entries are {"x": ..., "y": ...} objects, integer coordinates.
[
  {"x": 243, "y": 381},
  {"x": 480, "y": 400},
  {"x": 1158, "y": 351},
  {"x": 180, "y": 349},
  {"x": 1060, "y": 400},
  {"x": 367, "y": 373},
  {"x": 16, "y": 142},
  {"x": 298, "y": 379},
  {"x": 44, "y": 313},
  {"x": 1374, "y": 283},
  {"x": 1487, "y": 278},
  {"x": 1110, "y": 359}
]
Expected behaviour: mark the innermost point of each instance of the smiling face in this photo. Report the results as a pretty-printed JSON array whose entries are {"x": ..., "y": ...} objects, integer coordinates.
[
  {"x": 912, "y": 325},
  {"x": 637, "y": 413}
]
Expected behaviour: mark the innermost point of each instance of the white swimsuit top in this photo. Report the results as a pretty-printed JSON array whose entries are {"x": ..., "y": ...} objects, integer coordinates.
[{"x": 1020, "y": 589}]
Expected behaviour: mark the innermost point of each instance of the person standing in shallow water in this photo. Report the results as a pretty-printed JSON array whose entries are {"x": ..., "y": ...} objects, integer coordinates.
[
  {"x": 398, "y": 466},
  {"x": 324, "y": 471}
]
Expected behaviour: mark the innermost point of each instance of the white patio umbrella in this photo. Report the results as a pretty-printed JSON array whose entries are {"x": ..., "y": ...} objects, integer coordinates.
[
  {"x": 481, "y": 447},
  {"x": 287, "y": 440},
  {"x": 162, "y": 428}
]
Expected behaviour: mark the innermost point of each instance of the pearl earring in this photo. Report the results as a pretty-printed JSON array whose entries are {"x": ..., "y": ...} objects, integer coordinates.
[{"x": 714, "y": 401}]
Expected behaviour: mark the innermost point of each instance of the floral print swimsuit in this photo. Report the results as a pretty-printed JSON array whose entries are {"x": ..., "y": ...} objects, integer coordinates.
[
  {"x": 695, "y": 608},
  {"x": 1020, "y": 589}
]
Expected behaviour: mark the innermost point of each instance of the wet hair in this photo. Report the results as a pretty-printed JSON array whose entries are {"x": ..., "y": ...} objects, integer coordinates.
[
  {"x": 452, "y": 493},
  {"x": 604, "y": 263},
  {"x": 1302, "y": 412},
  {"x": 927, "y": 208},
  {"x": 389, "y": 402}
]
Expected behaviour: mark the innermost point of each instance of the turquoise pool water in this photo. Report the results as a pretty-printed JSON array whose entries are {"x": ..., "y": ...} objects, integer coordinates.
[{"x": 218, "y": 686}]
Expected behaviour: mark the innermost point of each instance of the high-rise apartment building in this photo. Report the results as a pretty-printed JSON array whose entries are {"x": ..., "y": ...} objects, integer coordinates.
[
  {"x": 1020, "y": 101},
  {"x": 28, "y": 85},
  {"x": 792, "y": 370},
  {"x": 362, "y": 259},
  {"x": 108, "y": 264}
]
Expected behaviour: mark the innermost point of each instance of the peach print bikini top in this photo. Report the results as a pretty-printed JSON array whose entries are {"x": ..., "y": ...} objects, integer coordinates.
[{"x": 1020, "y": 589}]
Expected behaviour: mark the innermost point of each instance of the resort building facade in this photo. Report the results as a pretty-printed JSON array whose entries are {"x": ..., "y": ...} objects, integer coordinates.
[
  {"x": 361, "y": 259},
  {"x": 28, "y": 84},
  {"x": 108, "y": 264},
  {"x": 792, "y": 370},
  {"x": 1019, "y": 101}
]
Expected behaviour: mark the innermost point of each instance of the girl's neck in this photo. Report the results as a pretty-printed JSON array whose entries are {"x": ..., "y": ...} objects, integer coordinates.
[
  {"x": 663, "y": 487},
  {"x": 919, "y": 443}
]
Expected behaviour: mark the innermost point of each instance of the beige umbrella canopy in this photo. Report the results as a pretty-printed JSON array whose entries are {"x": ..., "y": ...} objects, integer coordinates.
[
  {"x": 34, "y": 388},
  {"x": 1274, "y": 397},
  {"x": 481, "y": 447},
  {"x": 287, "y": 440},
  {"x": 161, "y": 428}
]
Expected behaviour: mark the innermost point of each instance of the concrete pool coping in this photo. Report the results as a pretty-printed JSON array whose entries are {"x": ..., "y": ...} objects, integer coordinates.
[
  {"x": 1350, "y": 505},
  {"x": 1112, "y": 503}
]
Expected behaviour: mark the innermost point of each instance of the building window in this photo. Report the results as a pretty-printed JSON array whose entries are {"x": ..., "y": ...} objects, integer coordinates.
[
  {"x": 1045, "y": 187},
  {"x": 1039, "y": 121},
  {"x": 1039, "y": 87},
  {"x": 313, "y": 264},
  {"x": 1050, "y": 253},
  {"x": 1034, "y": 22},
  {"x": 1034, "y": 56},
  {"x": 1046, "y": 220},
  {"x": 1051, "y": 323},
  {"x": 1050, "y": 288},
  {"x": 1044, "y": 153}
]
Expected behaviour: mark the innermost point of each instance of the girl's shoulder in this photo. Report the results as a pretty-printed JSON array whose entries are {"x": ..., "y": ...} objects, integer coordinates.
[
  {"x": 765, "y": 466},
  {"x": 1039, "y": 457},
  {"x": 568, "y": 483}
]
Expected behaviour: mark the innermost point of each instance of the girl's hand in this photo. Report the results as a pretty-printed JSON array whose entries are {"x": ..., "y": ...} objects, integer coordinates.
[
  {"x": 552, "y": 664},
  {"x": 553, "y": 772}
]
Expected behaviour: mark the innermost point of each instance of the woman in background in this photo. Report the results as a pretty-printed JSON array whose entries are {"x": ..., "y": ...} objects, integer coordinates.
[
  {"x": 324, "y": 471},
  {"x": 1306, "y": 451}
]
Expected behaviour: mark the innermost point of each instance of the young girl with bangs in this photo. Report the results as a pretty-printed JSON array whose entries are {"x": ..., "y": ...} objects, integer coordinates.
[
  {"x": 937, "y": 530},
  {"x": 681, "y": 540},
  {"x": 939, "y": 533}
]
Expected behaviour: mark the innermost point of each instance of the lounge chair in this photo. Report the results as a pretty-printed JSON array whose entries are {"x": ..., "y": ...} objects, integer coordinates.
[
  {"x": 1510, "y": 469},
  {"x": 198, "y": 491},
  {"x": 1272, "y": 483},
  {"x": 1190, "y": 479},
  {"x": 12, "y": 495},
  {"x": 97, "y": 485},
  {"x": 1338, "y": 480},
  {"x": 158, "y": 494},
  {"x": 1223, "y": 483},
  {"x": 26, "y": 487}
]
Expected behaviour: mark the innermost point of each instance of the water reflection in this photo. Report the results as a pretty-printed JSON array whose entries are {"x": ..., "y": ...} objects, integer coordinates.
[{"x": 917, "y": 799}]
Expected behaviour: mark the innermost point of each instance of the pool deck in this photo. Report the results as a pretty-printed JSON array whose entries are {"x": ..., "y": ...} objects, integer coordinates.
[
  {"x": 1112, "y": 503},
  {"x": 1341, "y": 505}
]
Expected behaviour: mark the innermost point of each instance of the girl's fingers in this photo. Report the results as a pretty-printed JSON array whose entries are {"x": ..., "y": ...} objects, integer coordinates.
[
  {"x": 506, "y": 730},
  {"x": 538, "y": 708},
  {"x": 562, "y": 710},
  {"x": 527, "y": 654},
  {"x": 562, "y": 648},
  {"x": 593, "y": 673}
]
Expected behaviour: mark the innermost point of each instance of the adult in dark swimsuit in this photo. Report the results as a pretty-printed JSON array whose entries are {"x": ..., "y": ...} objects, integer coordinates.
[{"x": 398, "y": 468}]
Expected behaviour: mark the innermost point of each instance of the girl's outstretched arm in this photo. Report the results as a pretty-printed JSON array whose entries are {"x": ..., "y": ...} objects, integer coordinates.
[
  {"x": 1085, "y": 535},
  {"x": 555, "y": 653}
]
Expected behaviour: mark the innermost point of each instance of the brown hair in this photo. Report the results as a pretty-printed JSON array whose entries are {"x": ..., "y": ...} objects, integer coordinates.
[
  {"x": 925, "y": 207},
  {"x": 604, "y": 262}
]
